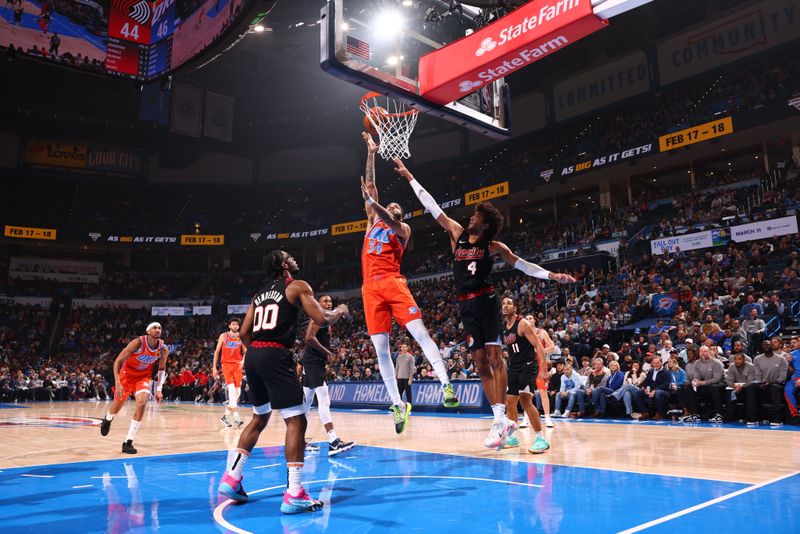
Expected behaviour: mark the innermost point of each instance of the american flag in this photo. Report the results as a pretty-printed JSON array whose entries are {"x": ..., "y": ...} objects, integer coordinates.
[{"x": 358, "y": 48}]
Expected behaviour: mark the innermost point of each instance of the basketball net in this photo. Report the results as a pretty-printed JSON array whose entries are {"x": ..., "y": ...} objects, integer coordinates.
[{"x": 394, "y": 122}]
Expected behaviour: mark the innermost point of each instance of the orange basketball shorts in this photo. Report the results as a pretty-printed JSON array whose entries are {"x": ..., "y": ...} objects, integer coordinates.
[
  {"x": 133, "y": 383},
  {"x": 386, "y": 298},
  {"x": 232, "y": 371}
]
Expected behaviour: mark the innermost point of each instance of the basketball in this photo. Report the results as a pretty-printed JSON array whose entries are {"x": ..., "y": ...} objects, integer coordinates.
[{"x": 379, "y": 116}]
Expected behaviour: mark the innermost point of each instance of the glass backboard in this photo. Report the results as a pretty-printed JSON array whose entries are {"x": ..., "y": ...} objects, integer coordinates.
[{"x": 377, "y": 44}]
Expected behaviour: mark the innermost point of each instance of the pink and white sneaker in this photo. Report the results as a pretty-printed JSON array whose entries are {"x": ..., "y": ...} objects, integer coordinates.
[
  {"x": 496, "y": 436},
  {"x": 297, "y": 504},
  {"x": 232, "y": 488}
]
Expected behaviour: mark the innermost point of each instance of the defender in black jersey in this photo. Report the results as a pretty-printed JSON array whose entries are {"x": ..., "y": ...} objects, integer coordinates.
[
  {"x": 473, "y": 249},
  {"x": 525, "y": 365},
  {"x": 314, "y": 361},
  {"x": 269, "y": 330}
]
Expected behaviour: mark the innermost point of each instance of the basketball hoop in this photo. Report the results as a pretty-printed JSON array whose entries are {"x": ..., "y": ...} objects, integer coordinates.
[
  {"x": 795, "y": 102},
  {"x": 392, "y": 120}
]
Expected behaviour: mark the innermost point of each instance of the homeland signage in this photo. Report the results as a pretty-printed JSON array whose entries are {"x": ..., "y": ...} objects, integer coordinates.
[
  {"x": 528, "y": 34},
  {"x": 745, "y": 32},
  {"x": 698, "y": 240},
  {"x": 425, "y": 393},
  {"x": 618, "y": 80},
  {"x": 764, "y": 229}
]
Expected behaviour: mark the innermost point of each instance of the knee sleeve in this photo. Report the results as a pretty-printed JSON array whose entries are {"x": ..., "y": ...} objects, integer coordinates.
[{"x": 324, "y": 401}]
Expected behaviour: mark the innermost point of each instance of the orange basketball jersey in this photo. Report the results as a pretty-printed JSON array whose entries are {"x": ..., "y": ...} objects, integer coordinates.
[
  {"x": 143, "y": 359},
  {"x": 382, "y": 252},
  {"x": 231, "y": 349}
]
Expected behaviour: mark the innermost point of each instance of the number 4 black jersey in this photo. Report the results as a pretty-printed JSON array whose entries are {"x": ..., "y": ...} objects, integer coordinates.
[
  {"x": 472, "y": 265},
  {"x": 275, "y": 319}
]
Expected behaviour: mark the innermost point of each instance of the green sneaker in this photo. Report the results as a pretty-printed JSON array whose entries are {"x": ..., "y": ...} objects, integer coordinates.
[
  {"x": 449, "y": 394},
  {"x": 511, "y": 442},
  {"x": 539, "y": 446},
  {"x": 400, "y": 417}
]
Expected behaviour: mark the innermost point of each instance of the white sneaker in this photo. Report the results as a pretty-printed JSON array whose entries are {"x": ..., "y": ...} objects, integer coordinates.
[
  {"x": 548, "y": 422},
  {"x": 525, "y": 422},
  {"x": 557, "y": 413},
  {"x": 496, "y": 436},
  {"x": 566, "y": 414}
]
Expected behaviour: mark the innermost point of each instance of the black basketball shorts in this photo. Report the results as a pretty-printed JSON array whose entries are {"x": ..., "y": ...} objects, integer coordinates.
[
  {"x": 482, "y": 320},
  {"x": 272, "y": 379}
]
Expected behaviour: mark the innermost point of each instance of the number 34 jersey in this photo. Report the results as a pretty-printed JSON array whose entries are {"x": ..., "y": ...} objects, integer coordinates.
[
  {"x": 275, "y": 319},
  {"x": 472, "y": 265}
]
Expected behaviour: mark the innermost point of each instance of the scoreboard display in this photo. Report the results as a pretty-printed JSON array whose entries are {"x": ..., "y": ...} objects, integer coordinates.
[
  {"x": 135, "y": 39},
  {"x": 140, "y": 37}
]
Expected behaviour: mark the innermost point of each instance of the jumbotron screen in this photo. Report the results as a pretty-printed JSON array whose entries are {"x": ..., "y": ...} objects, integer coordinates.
[{"x": 137, "y": 39}]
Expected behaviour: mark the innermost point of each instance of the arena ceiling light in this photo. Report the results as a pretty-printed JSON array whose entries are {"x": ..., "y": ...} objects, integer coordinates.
[{"x": 388, "y": 24}]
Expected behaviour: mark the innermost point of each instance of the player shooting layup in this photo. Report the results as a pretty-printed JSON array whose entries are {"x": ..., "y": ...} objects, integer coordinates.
[
  {"x": 133, "y": 373},
  {"x": 386, "y": 295},
  {"x": 473, "y": 249}
]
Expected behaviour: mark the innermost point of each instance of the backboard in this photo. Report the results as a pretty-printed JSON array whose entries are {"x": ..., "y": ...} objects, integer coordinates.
[{"x": 377, "y": 45}]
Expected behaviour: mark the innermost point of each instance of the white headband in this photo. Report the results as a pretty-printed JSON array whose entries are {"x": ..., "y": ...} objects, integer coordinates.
[{"x": 152, "y": 325}]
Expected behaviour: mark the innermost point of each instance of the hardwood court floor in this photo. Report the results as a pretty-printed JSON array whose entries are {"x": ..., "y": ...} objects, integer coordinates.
[{"x": 58, "y": 433}]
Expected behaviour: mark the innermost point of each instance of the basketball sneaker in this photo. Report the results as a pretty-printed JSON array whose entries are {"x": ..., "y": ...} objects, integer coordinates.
[
  {"x": 339, "y": 446},
  {"x": 511, "y": 431},
  {"x": 449, "y": 394},
  {"x": 232, "y": 488},
  {"x": 297, "y": 504},
  {"x": 127, "y": 447},
  {"x": 238, "y": 421},
  {"x": 548, "y": 422},
  {"x": 310, "y": 447},
  {"x": 400, "y": 417},
  {"x": 496, "y": 436},
  {"x": 539, "y": 446},
  {"x": 105, "y": 426},
  {"x": 226, "y": 421},
  {"x": 526, "y": 422},
  {"x": 511, "y": 442}
]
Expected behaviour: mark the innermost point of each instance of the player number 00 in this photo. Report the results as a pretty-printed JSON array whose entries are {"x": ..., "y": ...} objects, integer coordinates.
[{"x": 265, "y": 317}]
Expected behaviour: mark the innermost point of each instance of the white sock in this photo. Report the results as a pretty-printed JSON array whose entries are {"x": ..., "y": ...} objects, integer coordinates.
[
  {"x": 417, "y": 330},
  {"x": 239, "y": 459},
  {"x": 539, "y": 434},
  {"x": 332, "y": 435},
  {"x": 499, "y": 411},
  {"x": 109, "y": 416},
  {"x": 233, "y": 397},
  {"x": 133, "y": 481},
  {"x": 381, "y": 344},
  {"x": 133, "y": 428},
  {"x": 295, "y": 473}
]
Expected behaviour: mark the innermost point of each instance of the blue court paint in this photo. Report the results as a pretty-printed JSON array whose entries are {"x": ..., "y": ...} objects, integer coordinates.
[
  {"x": 4, "y": 405},
  {"x": 370, "y": 490}
]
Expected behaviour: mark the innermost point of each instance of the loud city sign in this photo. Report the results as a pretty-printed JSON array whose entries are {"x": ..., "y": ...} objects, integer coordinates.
[{"x": 522, "y": 37}]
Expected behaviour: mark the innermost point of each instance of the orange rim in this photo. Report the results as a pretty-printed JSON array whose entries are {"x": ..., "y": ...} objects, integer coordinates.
[{"x": 373, "y": 94}]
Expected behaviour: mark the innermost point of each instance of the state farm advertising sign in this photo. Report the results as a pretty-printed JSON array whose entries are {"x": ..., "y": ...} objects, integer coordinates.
[{"x": 526, "y": 35}]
